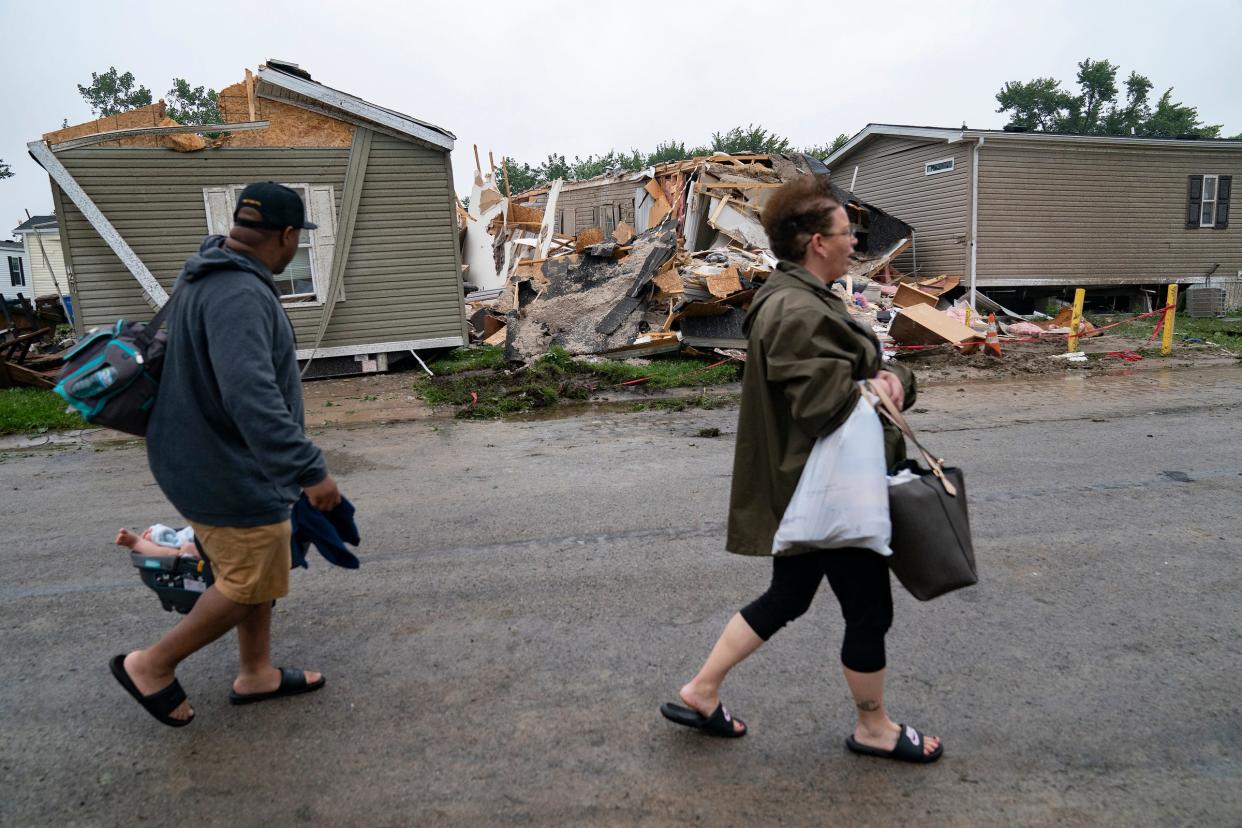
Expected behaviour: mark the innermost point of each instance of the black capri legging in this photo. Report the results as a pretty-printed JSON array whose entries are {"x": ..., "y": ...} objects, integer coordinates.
[{"x": 859, "y": 577}]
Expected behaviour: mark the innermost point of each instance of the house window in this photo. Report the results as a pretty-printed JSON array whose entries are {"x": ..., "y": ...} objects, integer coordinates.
[
  {"x": 17, "y": 273},
  {"x": 305, "y": 279},
  {"x": 298, "y": 279},
  {"x": 1207, "y": 201},
  {"x": 1207, "y": 210},
  {"x": 933, "y": 167}
]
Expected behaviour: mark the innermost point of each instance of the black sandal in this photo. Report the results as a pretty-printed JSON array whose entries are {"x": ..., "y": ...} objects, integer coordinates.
[
  {"x": 292, "y": 683},
  {"x": 720, "y": 723},
  {"x": 160, "y": 703},
  {"x": 909, "y": 748}
]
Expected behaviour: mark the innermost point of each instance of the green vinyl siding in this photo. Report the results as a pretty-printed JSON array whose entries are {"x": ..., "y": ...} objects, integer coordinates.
[{"x": 401, "y": 279}]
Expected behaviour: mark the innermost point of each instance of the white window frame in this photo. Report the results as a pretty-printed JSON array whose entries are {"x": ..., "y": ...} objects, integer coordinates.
[
  {"x": 927, "y": 168},
  {"x": 320, "y": 259},
  {"x": 1204, "y": 201}
]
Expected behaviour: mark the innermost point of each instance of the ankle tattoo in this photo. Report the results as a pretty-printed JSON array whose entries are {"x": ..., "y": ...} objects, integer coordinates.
[{"x": 868, "y": 706}]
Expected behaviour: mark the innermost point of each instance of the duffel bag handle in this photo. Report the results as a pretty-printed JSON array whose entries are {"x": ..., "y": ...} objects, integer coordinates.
[{"x": 890, "y": 410}]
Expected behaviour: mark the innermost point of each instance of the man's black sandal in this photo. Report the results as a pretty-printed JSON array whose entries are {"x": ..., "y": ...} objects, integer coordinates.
[
  {"x": 292, "y": 683},
  {"x": 160, "y": 703}
]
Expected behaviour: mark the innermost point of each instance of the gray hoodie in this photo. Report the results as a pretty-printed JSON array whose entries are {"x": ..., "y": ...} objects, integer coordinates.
[{"x": 227, "y": 441}]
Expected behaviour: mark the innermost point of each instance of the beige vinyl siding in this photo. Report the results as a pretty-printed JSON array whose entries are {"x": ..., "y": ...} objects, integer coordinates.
[
  {"x": 401, "y": 281},
  {"x": 401, "y": 278},
  {"x": 892, "y": 176},
  {"x": 1084, "y": 215},
  {"x": 581, "y": 206},
  {"x": 39, "y": 280}
]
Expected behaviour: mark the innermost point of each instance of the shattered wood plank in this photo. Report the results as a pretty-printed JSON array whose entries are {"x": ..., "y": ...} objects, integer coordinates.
[{"x": 623, "y": 233}]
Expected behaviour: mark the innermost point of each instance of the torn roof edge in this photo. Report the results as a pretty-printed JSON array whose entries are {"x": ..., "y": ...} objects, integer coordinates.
[{"x": 352, "y": 105}]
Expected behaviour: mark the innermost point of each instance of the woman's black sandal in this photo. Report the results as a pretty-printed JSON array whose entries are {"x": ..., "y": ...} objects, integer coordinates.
[
  {"x": 909, "y": 748},
  {"x": 720, "y": 723}
]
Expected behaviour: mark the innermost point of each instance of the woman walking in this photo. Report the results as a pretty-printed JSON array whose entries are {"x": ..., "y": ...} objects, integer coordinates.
[{"x": 804, "y": 360}]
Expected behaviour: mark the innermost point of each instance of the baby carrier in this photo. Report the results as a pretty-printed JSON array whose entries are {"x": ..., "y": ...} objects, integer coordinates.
[{"x": 177, "y": 580}]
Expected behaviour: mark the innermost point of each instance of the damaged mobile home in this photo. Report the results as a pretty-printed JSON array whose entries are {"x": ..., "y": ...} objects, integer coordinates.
[
  {"x": 380, "y": 276},
  {"x": 636, "y": 264}
]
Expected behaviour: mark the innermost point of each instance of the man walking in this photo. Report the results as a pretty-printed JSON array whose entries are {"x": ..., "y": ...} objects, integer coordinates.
[{"x": 227, "y": 445}]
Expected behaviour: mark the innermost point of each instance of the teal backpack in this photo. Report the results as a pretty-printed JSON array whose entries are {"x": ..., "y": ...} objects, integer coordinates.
[{"x": 111, "y": 377}]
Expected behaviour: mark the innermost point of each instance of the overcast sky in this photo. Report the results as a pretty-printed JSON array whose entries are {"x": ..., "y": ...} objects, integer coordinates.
[{"x": 526, "y": 79}]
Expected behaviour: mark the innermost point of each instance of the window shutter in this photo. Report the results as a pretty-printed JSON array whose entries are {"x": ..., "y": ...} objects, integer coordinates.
[
  {"x": 219, "y": 210},
  {"x": 1224, "y": 185},
  {"x": 323, "y": 238}
]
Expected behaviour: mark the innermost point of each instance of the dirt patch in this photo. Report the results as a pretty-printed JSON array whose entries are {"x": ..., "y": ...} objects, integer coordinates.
[
  {"x": 377, "y": 398},
  {"x": 1025, "y": 359}
]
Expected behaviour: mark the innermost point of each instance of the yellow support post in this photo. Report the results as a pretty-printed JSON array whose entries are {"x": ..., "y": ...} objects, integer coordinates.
[
  {"x": 1166, "y": 344},
  {"x": 1080, "y": 296}
]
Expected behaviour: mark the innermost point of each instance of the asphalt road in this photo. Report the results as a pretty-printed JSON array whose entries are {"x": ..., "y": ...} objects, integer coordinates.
[{"x": 531, "y": 591}]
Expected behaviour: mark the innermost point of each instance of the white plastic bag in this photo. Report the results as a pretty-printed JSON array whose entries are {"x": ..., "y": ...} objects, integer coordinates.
[{"x": 842, "y": 496}]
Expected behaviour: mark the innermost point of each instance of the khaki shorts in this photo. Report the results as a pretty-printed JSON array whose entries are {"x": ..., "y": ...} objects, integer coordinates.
[{"x": 251, "y": 565}]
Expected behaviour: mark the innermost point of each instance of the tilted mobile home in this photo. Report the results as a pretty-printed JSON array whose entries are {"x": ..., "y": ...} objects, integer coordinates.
[{"x": 381, "y": 275}]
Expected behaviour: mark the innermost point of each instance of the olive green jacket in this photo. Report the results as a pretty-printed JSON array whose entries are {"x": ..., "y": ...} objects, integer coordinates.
[{"x": 804, "y": 356}]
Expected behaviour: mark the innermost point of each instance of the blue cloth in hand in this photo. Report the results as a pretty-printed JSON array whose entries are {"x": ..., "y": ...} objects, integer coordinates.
[{"x": 328, "y": 531}]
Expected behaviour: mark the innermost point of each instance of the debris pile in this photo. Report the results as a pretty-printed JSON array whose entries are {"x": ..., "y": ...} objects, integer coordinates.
[{"x": 681, "y": 277}]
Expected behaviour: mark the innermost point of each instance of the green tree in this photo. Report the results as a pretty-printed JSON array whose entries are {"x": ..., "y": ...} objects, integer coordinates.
[
  {"x": 822, "y": 151},
  {"x": 192, "y": 105},
  {"x": 1038, "y": 105},
  {"x": 5, "y": 172},
  {"x": 668, "y": 151},
  {"x": 522, "y": 177},
  {"x": 1042, "y": 105},
  {"x": 111, "y": 93},
  {"x": 552, "y": 168},
  {"x": 748, "y": 139}
]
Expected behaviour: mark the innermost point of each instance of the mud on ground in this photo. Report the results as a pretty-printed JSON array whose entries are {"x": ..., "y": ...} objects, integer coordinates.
[{"x": 1024, "y": 359}]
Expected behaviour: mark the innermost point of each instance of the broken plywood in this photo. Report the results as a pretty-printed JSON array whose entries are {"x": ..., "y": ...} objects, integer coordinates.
[
  {"x": 923, "y": 325},
  {"x": 725, "y": 283},
  {"x": 289, "y": 126},
  {"x": 588, "y": 237},
  {"x": 907, "y": 296}
]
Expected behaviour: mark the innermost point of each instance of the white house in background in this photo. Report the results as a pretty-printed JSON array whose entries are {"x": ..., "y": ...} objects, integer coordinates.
[
  {"x": 40, "y": 237},
  {"x": 14, "y": 270}
]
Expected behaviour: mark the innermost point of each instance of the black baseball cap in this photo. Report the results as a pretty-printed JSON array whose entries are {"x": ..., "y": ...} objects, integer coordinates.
[{"x": 279, "y": 206}]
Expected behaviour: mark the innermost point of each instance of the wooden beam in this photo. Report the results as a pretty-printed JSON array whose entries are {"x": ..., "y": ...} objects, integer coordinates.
[
  {"x": 118, "y": 134},
  {"x": 250, "y": 93},
  {"x": 42, "y": 153}
]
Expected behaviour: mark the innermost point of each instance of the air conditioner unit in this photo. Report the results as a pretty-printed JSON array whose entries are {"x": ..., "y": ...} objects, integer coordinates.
[{"x": 1203, "y": 301}]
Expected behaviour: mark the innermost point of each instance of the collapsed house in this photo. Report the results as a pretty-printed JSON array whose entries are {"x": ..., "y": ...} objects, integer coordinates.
[
  {"x": 670, "y": 260},
  {"x": 381, "y": 275}
]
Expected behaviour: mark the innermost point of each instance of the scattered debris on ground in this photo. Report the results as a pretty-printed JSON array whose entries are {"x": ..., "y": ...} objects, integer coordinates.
[{"x": 30, "y": 344}]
